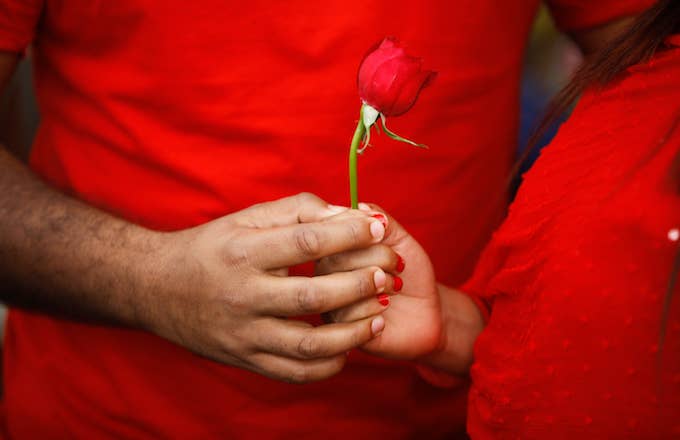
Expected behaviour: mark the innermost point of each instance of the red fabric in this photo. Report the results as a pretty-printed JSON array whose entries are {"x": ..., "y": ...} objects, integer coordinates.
[
  {"x": 174, "y": 113},
  {"x": 18, "y": 22},
  {"x": 578, "y": 272}
]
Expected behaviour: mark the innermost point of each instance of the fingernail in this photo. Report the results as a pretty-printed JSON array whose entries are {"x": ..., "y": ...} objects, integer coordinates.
[
  {"x": 377, "y": 230},
  {"x": 379, "y": 279},
  {"x": 384, "y": 299},
  {"x": 398, "y": 284},
  {"x": 363, "y": 207},
  {"x": 401, "y": 264},
  {"x": 335, "y": 209},
  {"x": 377, "y": 325},
  {"x": 382, "y": 219}
]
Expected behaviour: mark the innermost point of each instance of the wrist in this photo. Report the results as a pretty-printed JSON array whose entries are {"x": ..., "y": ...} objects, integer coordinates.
[
  {"x": 152, "y": 272},
  {"x": 462, "y": 322}
]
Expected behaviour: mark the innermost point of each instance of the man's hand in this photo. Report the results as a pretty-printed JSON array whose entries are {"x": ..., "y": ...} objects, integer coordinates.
[{"x": 220, "y": 289}]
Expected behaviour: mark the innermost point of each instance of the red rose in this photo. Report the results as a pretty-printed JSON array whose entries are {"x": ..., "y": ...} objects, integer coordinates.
[
  {"x": 389, "y": 83},
  {"x": 389, "y": 80}
]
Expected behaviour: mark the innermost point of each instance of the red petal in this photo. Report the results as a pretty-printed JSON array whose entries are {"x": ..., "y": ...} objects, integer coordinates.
[
  {"x": 409, "y": 91},
  {"x": 389, "y": 80},
  {"x": 395, "y": 85},
  {"x": 400, "y": 71},
  {"x": 386, "y": 50}
]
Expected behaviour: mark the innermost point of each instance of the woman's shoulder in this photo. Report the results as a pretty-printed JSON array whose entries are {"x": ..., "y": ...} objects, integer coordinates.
[
  {"x": 651, "y": 84},
  {"x": 614, "y": 129},
  {"x": 603, "y": 174}
]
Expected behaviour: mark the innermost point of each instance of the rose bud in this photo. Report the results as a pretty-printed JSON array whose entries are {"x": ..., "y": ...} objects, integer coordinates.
[
  {"x": 389, "y": 80},
  {"x": 389, "y": 83}
]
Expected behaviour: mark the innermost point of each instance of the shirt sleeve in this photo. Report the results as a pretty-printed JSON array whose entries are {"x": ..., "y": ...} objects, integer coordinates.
[
  {"x": 572, "y": 15},
  {"x": 18, "y": 23}
]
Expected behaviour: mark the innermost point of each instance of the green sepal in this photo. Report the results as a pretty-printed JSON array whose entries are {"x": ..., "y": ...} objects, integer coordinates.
[{"x": 396, "y": 137}]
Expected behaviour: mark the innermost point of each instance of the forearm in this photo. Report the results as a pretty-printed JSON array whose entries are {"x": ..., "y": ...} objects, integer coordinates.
[
  {"x": 62, "y": 256},
  {"x": 462, "y": 323}
]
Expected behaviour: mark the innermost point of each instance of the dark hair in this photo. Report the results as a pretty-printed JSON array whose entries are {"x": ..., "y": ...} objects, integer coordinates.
[{"x": 635, "y": 45}]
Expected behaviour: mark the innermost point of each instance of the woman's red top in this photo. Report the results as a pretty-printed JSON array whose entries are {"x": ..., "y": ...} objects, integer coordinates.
[{"x": 577, "y": 275}]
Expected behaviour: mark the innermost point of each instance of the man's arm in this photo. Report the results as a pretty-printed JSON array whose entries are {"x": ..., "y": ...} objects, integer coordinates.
[
  {"x": 42, "y": 263},
  {"x": 216, "y": 289}
]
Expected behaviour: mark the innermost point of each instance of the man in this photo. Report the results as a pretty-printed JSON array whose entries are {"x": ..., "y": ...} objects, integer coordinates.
[{"x": 159, "y": 119}]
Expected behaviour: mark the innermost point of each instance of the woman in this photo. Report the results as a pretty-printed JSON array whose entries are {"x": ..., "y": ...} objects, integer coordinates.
[{"x": 569, "y": 325}]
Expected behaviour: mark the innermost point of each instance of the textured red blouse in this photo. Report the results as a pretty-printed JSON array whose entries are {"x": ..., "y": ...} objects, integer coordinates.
[{"x": 577, "y": 274}]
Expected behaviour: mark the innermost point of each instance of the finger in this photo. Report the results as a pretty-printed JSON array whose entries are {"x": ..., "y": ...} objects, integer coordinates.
[
  {"x": 290, "y": 245},
  {"x": 377, "y": 255},
  {"x": 394, "y": 232},
  {"x": 359, "y": 310},
  {"x": 306, "y": 342},
  {"x": 345, "y": 213},
  {"x": 299, "y": 296},
  {"x": 297, "y": 371},
  {"x": 300, "y": 208}
]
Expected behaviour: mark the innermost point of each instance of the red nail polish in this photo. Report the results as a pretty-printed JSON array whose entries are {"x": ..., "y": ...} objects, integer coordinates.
[
  {"x": 398, "y": 284},
  {"x": 400, "y": 264},
  {"x": 384, "y": 299},
  {"x": 382, "y": 219}
]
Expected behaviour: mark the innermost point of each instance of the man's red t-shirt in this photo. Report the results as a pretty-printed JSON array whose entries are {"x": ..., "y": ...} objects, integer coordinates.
[{"x": 173, "y": 113}]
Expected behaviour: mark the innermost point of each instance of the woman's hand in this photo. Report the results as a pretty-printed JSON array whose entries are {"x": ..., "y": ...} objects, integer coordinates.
[{"x": 410, "y": 302}]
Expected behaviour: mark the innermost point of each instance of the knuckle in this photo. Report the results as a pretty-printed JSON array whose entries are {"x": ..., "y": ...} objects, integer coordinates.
[
  {"x": 237, "y": 255},
  {"x": 354, "y": 230},
  {"x": 306, "y": 197},
  {"x": 309, "y": 347},
  {"x": 365, "y": 287},
  {"x": 306, "y": 200},
  {"x": 307, "y": 242},
  {"x": 308, "y": 299},
  {"x": 232, "y": 302}
]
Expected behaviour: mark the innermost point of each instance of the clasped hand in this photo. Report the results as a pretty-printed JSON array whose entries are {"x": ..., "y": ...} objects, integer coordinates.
[
  {"x": 413, "y": 317},
  {"x": 425, "y": 321},
  {"x": 222, "y": 289}
]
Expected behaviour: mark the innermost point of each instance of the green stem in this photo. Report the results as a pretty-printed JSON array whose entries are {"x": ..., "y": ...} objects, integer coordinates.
[{"x": 356, "y": 141}]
